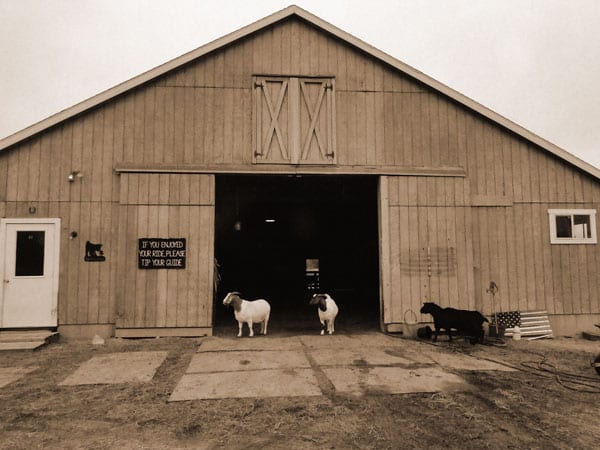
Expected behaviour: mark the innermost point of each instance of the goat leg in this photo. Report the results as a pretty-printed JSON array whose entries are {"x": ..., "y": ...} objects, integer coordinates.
[{"x": 263, "y": 327}]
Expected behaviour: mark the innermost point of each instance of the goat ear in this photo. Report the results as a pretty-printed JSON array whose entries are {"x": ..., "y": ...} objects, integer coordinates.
[
  {"x": 322, "y": 303},
  {"x": 315, "y": 299}
]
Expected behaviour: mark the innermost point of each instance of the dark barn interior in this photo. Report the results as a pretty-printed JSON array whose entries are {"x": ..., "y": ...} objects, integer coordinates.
[{"x": 270, "y": 229}]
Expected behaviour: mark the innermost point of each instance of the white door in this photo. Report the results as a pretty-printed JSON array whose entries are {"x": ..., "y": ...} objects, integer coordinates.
[{"x": 29, "y": 268}]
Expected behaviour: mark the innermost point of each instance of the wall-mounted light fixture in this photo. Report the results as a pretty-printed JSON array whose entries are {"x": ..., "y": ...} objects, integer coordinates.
[
  {"x": 32, "y": 210},
  {"x": 73, "y": 235},
  {"x": 74, "y": 174}
]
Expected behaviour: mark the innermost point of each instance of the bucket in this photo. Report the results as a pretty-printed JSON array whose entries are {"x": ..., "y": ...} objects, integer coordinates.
[
  {"x": 424, "y": 332},
  {"x": 516, "y": 334},
  {"x": 410, "y": 329},
  {"x": 496, "y": 331}
]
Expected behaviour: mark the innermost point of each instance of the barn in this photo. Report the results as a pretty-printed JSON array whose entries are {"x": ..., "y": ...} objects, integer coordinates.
[{"x": 285, "y": 158}]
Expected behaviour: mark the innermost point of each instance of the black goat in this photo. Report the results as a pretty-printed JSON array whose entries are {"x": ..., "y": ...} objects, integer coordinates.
[{"x": 469, "y": 323}]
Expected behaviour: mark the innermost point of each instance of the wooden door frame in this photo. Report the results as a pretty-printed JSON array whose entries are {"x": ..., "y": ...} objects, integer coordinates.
[
  {"x": 385, "y": 286},
  {"x": 56, "y": 260}
]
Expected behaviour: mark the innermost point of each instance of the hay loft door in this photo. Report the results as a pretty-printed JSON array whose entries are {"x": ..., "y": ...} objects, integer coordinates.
[
  {"x": 294, "y": 120},
  {"x": 29, "y": 267}
]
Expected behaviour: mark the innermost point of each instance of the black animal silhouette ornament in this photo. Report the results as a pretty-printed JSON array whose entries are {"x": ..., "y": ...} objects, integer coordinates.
[{"x": 93, "y": 252}]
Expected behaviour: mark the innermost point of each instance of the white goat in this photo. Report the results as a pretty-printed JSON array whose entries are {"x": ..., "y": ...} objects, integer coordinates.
[
  {"x": 249, "y": 312},
  {"x": 328, "y": 310}
]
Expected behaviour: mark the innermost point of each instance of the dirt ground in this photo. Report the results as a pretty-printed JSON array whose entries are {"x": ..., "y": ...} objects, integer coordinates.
[{"x": 552, "y": 401}]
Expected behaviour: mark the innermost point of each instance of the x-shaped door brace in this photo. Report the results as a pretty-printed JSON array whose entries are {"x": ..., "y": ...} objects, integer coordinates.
[
  {"x": 313, "y": 114},
  {"x": 274, "y": 126}
]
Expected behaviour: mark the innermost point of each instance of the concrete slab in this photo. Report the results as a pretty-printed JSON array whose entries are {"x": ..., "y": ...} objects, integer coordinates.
[
  {"x": 258, "y": 383},
  {"x": 11, "y": 374},
  {"x": 117, "y": 368},
  {"x": 459, "y": 361},
  {"x": 289, "y": 366},
  {"x": 247, "y": 360},
  {"x": 358, "y": 356},
  {"x": 414, "y": 352},
  {"x": 393, "y": 380},
  {"x": 211, "y": 344},
  {"x": 349, "y": 340}
]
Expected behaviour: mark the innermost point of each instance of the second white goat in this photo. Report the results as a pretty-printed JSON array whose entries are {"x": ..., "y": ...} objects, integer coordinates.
[
  {"x": 249, "y": 312},
  {"x": 327, "y": 310}
]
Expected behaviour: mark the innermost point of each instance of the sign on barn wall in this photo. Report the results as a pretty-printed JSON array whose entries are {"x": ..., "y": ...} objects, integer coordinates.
[{"x": 157, "y": 253}]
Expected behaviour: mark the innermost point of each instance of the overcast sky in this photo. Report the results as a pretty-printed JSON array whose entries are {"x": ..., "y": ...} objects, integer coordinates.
[{"x": 536, "y": 62}]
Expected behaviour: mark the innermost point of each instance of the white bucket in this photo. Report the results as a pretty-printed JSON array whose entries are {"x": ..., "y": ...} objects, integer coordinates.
[{"x": 516, "y": 334}]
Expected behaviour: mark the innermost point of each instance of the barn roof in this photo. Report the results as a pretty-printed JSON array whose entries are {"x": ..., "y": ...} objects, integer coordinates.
[{"x": 288, "y": 12}]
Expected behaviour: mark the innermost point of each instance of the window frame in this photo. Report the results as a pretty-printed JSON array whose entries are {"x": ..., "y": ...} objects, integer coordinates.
[{"x": 554, "y": 239}]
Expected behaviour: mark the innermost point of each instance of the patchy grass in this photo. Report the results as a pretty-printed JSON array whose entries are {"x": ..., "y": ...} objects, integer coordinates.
[{"x": 522, "y": 409}]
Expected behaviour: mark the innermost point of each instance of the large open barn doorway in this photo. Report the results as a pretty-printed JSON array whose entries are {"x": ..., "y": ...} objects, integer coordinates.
[{"x": 273, "y": 232}]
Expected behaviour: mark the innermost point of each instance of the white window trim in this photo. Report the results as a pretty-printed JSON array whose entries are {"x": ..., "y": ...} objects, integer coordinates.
[{"x": 552, "y": 213}]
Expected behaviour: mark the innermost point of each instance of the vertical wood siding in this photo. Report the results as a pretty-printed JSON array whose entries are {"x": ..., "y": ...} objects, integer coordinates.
[
  {"x": 34, "y": 174},
  {"x": 166, "y": 206},
  {"x": 213, "y": 97},
  {"x": 511, "y": 246},
  {"x": 428, "y": 253}
]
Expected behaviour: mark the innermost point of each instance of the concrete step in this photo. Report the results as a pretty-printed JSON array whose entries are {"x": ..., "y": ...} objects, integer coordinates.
[{"x": 26, "y": 339}]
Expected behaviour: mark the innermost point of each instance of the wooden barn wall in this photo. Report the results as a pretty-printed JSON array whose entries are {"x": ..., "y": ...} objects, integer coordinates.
[
  {"x": 200, "y": 116},
  {"x": 34, "y": 174},
  {"x": 427, "y": 255},
  {"x": 513, "y": 185},
  {"x": 166, "y": 206},
  {"x": 511, "y": 246}
]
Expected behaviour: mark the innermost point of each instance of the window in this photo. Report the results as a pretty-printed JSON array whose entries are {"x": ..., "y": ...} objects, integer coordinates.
[
  {"x": 29, "y": 260},
  {"x": 294, "y": 120},
  {"x": 572, "y": 226}
]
